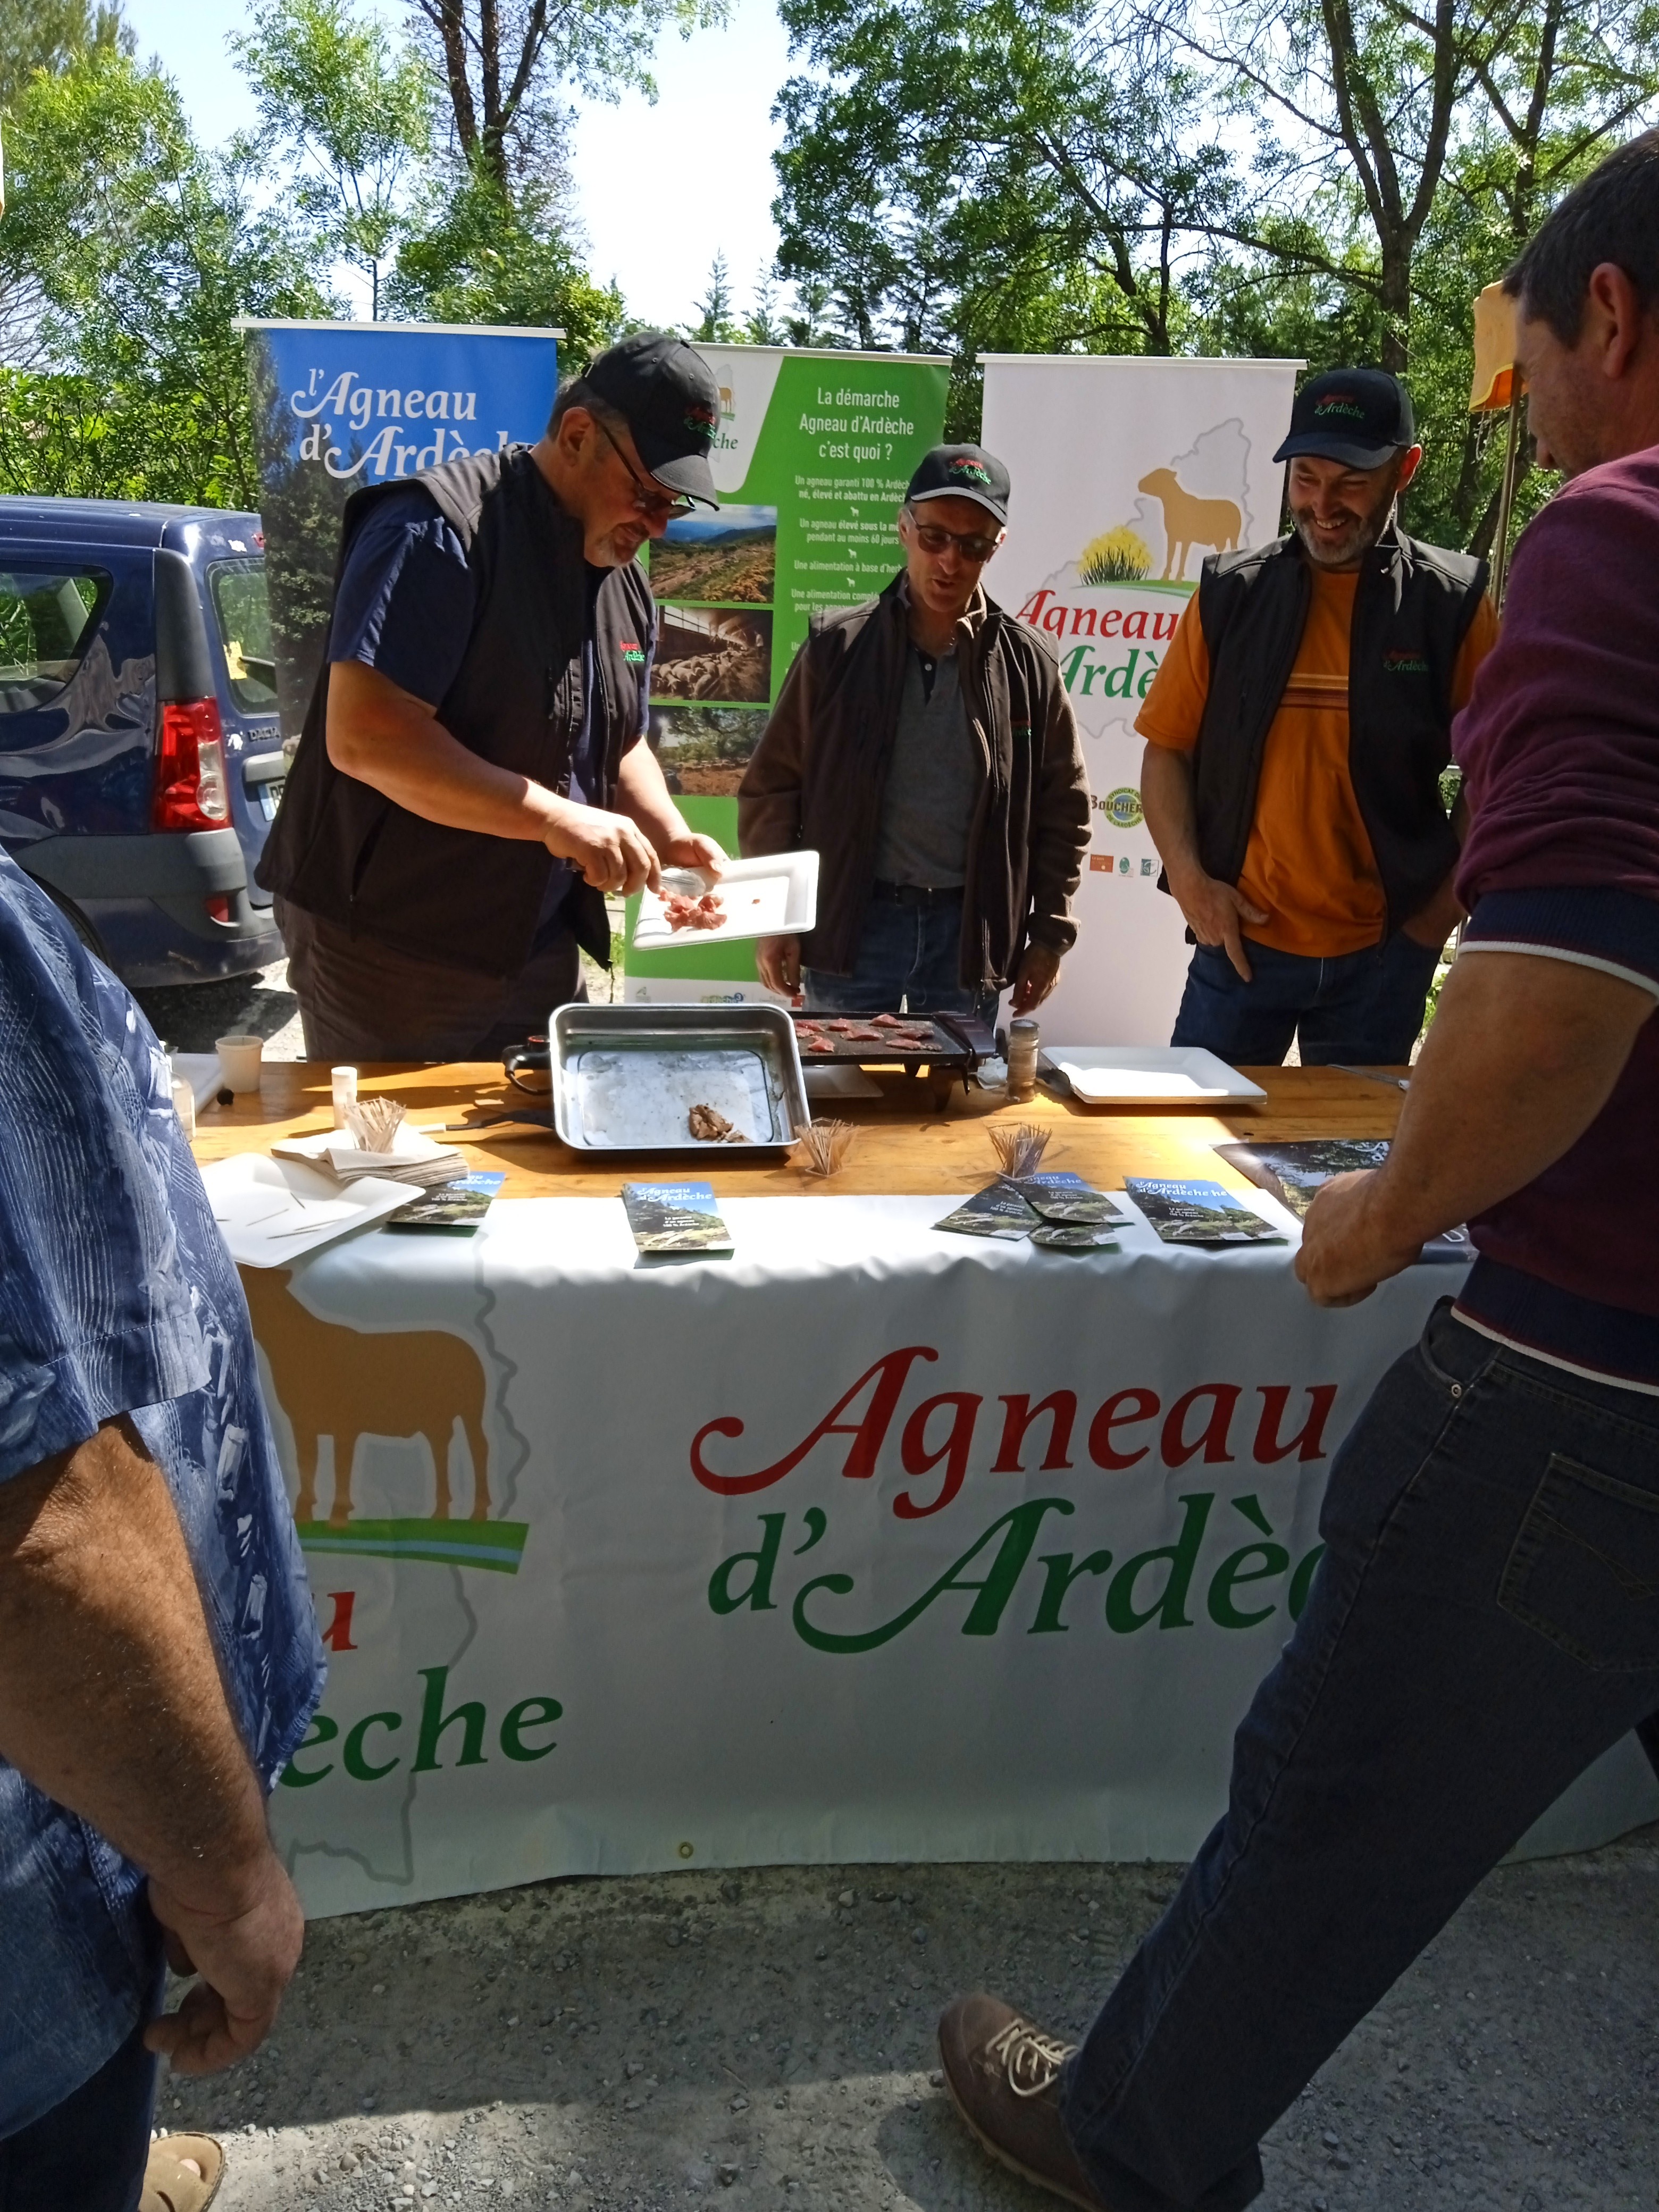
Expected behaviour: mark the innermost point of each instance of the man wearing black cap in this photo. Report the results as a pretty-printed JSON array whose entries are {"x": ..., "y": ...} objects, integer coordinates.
[
  {"x": 470, "y": 781},
  {"x": 1295, "y": 734},
  {"x": 924, "y": 746}
]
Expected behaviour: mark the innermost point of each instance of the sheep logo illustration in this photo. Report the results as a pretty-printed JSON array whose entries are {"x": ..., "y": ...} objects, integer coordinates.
[
  {"x": 1189, "y": 521},
  {"x": 409, "y": 1386}
]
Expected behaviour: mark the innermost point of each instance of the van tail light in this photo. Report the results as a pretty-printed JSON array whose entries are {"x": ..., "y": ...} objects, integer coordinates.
[{"x": 190, "y": 791}]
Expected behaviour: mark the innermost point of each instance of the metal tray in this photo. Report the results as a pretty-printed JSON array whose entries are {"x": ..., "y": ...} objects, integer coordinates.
[{"x": 626, "y": 1078}]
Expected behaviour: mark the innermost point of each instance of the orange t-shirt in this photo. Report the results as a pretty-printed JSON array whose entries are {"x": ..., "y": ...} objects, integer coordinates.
[{"x": 1309, "y": 865}]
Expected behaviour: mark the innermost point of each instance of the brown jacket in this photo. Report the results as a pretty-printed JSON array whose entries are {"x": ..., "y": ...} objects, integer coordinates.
[{"x": 819, "y": 775}]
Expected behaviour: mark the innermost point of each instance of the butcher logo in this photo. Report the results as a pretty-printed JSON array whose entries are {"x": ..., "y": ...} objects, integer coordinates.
[
  {"x": 1399, "y": 661},
  {"x": 632, "y": 651},
  {"x": 414, "y": 1387},
  {"x": 1122, "y": 808},
  {"x": 975, "y": 471},
  {"x": 1340, "y": 402},
  {"x": 700, "y": 419}
]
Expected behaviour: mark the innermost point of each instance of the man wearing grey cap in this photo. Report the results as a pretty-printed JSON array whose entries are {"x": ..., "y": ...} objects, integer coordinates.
[
  {"x": 1296, "y": 734},
  {"x": 471, "y": 781},
  {"x": 924, "y": 746}
]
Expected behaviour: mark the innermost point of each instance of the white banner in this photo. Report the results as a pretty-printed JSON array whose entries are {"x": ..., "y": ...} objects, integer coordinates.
[
  {"x": 868, "y": 1544},
  {"x": 1127, "y": 472}
]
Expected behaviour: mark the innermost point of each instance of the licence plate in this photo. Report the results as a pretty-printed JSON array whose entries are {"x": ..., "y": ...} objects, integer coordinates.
[{"x": 271, "y": 797}]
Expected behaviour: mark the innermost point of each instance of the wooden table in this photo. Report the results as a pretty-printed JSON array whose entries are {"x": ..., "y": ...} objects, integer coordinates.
[{"x": 907, "y": 1144}]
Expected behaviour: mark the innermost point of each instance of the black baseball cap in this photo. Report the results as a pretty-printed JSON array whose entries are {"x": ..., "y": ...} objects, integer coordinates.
[
  {"x": 961, "y": 472},
  {"x": 666, "y": 394},
  {"x": 1360, "y": 416}
]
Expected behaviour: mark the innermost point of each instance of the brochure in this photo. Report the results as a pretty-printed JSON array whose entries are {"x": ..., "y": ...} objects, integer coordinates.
[
  {"x": 999, "y": 1210},
  {"x": 1198, "y": 1212},
  {"x": 676, "y": 1219},
  {"x": 1075, "y": 1237},
  {"x": 1061, "y": 1196},
  {"x": 450, "y": 1209},
  {"x": 1293, "y": 1172}
]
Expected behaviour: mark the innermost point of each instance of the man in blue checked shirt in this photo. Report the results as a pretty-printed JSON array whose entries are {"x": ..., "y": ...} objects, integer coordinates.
[{"x": 159, "y": 1658}]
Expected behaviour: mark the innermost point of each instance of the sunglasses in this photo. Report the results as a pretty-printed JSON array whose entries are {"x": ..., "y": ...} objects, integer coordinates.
[
  {"x": 646, "y": 500},
  {"x": 934, "y": 538}
]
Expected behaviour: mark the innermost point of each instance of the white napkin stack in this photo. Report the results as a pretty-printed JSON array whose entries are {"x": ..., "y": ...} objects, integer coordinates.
[{"x": 414, "y": 1159}]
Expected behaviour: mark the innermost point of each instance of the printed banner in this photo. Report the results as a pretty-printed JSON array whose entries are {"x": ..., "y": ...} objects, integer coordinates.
[
  {"x": 1127, "y": 472},
  {"x": 339, "y": 406},
  {"x": 866, "y": 1544},
  {"x": 812, "y": 456}
]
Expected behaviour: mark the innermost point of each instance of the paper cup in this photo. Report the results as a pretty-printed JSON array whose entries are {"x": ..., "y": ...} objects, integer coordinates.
[{"x": 239, "y": 1058}]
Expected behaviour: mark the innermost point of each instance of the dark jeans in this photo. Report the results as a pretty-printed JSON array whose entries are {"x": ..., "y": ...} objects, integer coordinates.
[
  {"x": 1365, "y": 1008},
  {"x": 88, "y": 2154},
  {"x": 360, "y": 1001},
  {"x": 909, "y": 954},
  {"x": 1482, "y": 1626}
]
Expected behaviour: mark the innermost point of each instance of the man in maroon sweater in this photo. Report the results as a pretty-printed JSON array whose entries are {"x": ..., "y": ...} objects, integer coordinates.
[{"x": 1485, "y": 1619}]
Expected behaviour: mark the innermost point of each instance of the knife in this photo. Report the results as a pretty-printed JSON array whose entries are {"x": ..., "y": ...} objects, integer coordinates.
[{"x": 1368, "y": 1075}]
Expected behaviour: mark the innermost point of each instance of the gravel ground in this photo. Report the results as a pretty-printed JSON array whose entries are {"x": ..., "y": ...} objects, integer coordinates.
[{"x": 767, "y": 2039}]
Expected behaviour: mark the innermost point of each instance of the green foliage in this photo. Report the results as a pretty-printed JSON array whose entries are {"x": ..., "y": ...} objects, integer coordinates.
[
  {"x": 355, "y": 114},
  {"x": 134, "y": 251},
  {"x": 717, "y": 323},
  {"x": 49, "y": 34},
  {"x": 1333, "y": 178},
  {"x": 480, "y": 255}
]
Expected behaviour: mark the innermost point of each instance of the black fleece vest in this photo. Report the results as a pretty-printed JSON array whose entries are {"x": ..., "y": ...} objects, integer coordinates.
[
  {"x": 1412, "y": 611},
  {"x": 459, "y": 898}
]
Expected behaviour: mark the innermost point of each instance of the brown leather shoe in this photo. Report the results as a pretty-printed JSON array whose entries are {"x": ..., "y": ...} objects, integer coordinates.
[{"x": 1003, "y": 2074}]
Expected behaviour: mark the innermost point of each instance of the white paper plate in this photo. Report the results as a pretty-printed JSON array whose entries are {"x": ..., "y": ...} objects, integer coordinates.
[
  {"x": 271, "y": 1211},
  {"x": 1150, "y": 1075},
  {"x": 773, "y": 895}
]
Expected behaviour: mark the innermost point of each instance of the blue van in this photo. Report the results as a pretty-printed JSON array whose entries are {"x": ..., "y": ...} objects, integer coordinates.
[{"x": 141, "y": 758}]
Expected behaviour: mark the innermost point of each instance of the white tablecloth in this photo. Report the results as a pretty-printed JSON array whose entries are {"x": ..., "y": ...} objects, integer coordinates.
[{"x": 664, "y": 1634}]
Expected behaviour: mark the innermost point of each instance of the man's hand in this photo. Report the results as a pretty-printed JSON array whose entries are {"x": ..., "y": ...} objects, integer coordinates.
[
  {"x": 1346, "y": 1251},
  {"x": 693, "y": 850},
  {"x": 1037, "y": 974},
  {"x": 778, "y": 959},
  {"x": 1214, "y": 912},
  {"x": 245, "y": 1955},
  {"x": 1432, "y": 925},
  {"x": 610, "y": 853}
]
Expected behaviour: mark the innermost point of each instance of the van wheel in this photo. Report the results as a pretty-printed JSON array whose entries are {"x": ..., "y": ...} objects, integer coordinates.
[{"x": 76, "y": 920}]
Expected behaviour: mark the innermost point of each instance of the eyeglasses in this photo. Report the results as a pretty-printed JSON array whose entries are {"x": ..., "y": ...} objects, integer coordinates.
[
  {"x": 645, "y": 499},
  {"x": 932, "y": 537}
]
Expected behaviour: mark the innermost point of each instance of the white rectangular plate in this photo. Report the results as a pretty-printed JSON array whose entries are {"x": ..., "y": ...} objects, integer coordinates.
[
  {"x": 774, "y": 896},
  {"x": 1150, "y": 1075},
  {"x": 270, "y": 1211}
]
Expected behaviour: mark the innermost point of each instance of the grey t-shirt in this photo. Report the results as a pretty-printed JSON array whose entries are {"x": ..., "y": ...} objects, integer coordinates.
[{"x": 928, "y": 809}]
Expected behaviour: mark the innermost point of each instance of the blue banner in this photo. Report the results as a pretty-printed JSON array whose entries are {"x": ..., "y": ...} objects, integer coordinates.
[{"x": 339, "y": 405}]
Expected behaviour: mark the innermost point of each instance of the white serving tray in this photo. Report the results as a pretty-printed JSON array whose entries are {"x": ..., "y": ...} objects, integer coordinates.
[
  {"x": 776, "y": 894},
  {"x": 1150, "y": 1075},
  {"x": 261, "y": 1207}
]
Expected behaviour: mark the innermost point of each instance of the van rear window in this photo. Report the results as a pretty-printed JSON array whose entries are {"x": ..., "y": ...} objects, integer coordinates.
[
  {"x": 242, "y": 610},
  {"x": 48, "y": 617}
]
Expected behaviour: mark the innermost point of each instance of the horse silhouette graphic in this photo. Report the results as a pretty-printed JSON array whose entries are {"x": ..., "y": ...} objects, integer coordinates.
[
  {"x": 328, "y": 1379},
  {"x": 1188, "y": 522}
]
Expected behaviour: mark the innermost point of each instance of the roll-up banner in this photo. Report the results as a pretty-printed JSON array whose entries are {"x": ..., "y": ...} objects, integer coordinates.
[
  {"x": 339, "y": 405},
  {"x": 810, "y": 461},
  {"x": 1127, "y": 472}
]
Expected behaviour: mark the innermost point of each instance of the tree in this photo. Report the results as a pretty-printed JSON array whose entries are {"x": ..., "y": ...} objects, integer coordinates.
[
  {"x": 353, "y": 112},
  {"x": 503, "y": 61},
  {"x": 49, "y": 34},
  {"x": 480, "y": 256},
  {"x": 717, "y": 323},
  {"x": 143, "y": 251},
  {"x": 763, "y": 323}
]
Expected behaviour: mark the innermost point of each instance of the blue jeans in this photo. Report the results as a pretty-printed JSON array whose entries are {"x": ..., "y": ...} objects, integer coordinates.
[
  {"x": 911, "y": 954},
  {"x": 1479, "y": 1630},
  {"x": 87, "y": 2152},
  {"x": 1365, "y": 1008}
]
